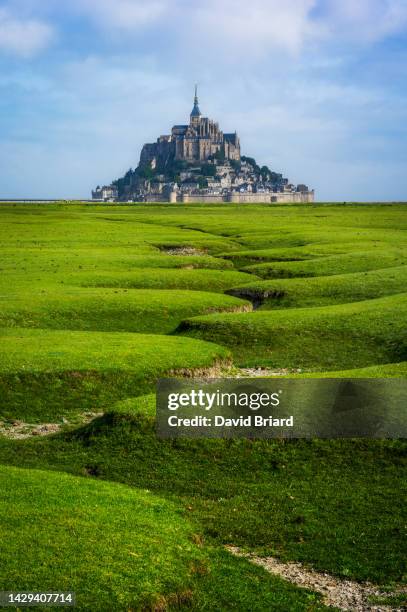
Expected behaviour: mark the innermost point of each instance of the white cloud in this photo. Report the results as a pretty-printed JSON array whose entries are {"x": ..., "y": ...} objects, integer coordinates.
[
  {"x": 123, "y": 14},
  {"x": 366, "y": 20},
  {"x": 252, "y": 28},
  {"x": 238, "y": 30},
  {"x": 234, "y": 26},
  {"x": 23, "y": 37},
  {"x": 231, "y": 30}
]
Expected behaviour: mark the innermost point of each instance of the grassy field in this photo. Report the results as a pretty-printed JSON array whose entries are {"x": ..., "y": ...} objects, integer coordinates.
[
  {"x": 321, "y": 291},
  {"x": 47, "y": 375},
  {"x": 121, "y": 548},
  {"x": 96, "y": 303},
  {"x": 300, "y": 262},
  {"x": 157, "y": 311},
  {"x": 329, "y": 337}
]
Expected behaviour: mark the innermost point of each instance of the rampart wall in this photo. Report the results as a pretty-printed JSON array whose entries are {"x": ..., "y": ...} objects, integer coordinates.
[{"x": 249, "y": 198}]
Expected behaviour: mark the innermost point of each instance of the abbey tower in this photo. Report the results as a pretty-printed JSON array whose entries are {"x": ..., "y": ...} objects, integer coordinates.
[{"x": 196, "y": 142}]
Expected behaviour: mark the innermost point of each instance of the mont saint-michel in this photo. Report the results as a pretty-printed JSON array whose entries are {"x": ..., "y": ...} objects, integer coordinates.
[{"x": 199, "y": 162}]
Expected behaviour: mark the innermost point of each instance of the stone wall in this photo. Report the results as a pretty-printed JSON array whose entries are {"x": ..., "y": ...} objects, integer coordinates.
[
  {"x": 205, "y": 199},
  {"x": 279, "y": 198},
  {"x": 248, "y": 198},
  {"x": 237, "y": 197},
  {"x": 295, "y": 197},
  {"x": 154, "y": 197}
]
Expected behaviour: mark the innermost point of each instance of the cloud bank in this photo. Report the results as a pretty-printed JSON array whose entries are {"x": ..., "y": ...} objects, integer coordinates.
[{"x": 23, "y": 37}]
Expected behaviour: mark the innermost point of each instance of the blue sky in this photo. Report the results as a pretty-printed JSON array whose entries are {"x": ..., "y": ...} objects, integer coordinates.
[{"x": 316, "y": 89}]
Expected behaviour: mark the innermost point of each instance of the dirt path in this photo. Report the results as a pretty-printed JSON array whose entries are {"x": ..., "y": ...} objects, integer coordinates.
[{"x": 342, "y": 594}]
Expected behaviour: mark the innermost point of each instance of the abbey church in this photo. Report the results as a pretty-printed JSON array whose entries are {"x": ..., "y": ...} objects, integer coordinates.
[{"x": 196, "y": 142}]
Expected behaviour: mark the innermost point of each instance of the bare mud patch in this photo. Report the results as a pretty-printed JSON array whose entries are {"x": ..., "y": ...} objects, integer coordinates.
[
  {"x": 20, "y": 430},
  {"x": 245, "y": 307},
  {"x": 217, "y": 370},
  {"x": 182, "y": 250},
  {"x": 264, "y": 372},
  {"x": 226, "y": 369},
  {"x": 342, "y": 594}
]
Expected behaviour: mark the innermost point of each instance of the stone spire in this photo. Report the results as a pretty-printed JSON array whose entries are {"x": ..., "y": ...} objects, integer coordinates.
[{"x": 195, "y": 111}]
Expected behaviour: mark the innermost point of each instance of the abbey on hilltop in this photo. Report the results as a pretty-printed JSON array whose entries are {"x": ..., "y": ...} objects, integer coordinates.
[{"x": 199, "y": 162}]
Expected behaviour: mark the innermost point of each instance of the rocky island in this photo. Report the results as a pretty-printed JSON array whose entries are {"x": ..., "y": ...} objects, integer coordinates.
[{"x": 199, "y": 162}]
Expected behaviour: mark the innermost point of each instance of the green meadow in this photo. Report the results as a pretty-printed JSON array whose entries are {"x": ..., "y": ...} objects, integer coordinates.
[{"x": 99, "y": 301}]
